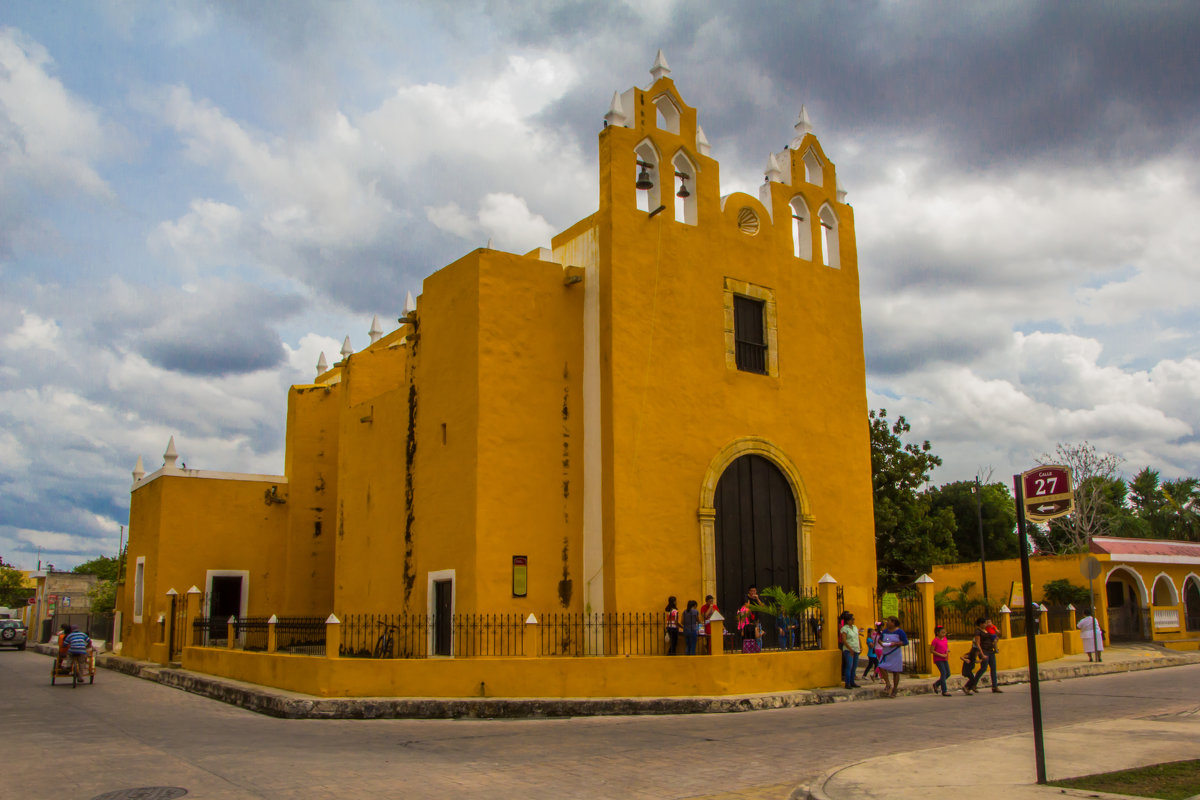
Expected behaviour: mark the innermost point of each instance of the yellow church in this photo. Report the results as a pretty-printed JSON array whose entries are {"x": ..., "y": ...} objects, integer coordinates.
[{"x": 669, "y": 400}]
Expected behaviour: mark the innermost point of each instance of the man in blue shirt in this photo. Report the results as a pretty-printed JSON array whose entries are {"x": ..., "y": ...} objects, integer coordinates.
[{"x": 78, "y": 644}]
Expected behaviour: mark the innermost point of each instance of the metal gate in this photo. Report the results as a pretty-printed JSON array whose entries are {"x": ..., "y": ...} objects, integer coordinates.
[
  {"x": 179, "y": 627},
  {"x": 915, "y": 654}
]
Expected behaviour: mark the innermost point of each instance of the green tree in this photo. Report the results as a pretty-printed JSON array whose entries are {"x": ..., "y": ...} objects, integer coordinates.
[
  {"x": 999, "y": 514},
  {"x": 12, "y": 591},
  {"x": 910, "y": 534},
  {"x": 103, "y": 567},
  {"x": 103, "y": 597},
  {"x": 1168, "y": 508},
  {"x": 1062, "y": 593},
  {"x": 960, "y": 599}
]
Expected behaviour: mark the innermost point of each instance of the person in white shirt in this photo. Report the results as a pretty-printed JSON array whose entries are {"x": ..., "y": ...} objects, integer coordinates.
[{"x": 1092, "y": 634}]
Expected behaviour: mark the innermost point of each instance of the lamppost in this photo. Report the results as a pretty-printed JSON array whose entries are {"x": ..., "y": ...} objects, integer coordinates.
[{"x": 979, "y": 525}]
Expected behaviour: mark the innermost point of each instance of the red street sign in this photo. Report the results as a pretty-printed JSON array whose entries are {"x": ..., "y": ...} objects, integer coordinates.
[{"x": 1048, "y": 492}]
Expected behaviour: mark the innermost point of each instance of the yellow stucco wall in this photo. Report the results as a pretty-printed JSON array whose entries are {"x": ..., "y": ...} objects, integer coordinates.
[
  {"x": 672, "y": 403},
  {"x": 648, "y": 676},
  {"x": 310, "y": 462},
  {"x": 1043, "y": 569},
  {"x": 186, "y": 526},
  {"x": 1002, "y": 574}
]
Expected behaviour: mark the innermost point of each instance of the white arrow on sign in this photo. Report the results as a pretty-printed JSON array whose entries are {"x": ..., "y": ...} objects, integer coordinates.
[{"x": 1044, "y": 509}]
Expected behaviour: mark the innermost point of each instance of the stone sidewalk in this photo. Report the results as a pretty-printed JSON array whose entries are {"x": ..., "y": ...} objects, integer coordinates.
[
  {"x": 292, "y": 705},
  {"x": 1004, "y": 767}
]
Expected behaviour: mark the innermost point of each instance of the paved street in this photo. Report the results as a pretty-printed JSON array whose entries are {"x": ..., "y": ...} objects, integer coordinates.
[{"x": 124, "y": 733}]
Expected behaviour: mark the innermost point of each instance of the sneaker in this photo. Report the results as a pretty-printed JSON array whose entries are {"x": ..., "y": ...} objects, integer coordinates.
[{"x": 997, "y": 691}]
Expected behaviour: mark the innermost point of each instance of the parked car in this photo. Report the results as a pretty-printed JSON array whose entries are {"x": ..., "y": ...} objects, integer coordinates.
[{"x": 12, "y": 634}]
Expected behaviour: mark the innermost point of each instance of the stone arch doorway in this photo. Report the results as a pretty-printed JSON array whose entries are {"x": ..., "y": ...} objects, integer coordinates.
[
  {"x": 755, "y": 538},
  {"x": 1128, "y": 606},
  {"x": 1191, "y": 603}
]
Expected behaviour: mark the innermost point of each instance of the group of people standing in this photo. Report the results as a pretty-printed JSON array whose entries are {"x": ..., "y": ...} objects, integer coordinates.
[
  {"x": 884, "y": 642},
  {"x": 688, "y": 623}
]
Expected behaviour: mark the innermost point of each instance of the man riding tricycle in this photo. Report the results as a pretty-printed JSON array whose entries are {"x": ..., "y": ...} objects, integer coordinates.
[{"x": 76, "y": 657}]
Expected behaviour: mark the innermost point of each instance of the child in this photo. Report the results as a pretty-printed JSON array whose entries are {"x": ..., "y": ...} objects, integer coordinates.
[
  {"x": 940, "y": 647},
  {"x": 873, "y": 653},
  {"x": 968, "y": 669}
]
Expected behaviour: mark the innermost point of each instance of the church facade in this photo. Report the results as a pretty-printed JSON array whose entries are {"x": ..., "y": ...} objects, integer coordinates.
[{"x": 668, "y": 400}]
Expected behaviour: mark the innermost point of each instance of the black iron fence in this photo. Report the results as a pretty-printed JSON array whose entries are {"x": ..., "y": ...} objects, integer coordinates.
[
  {"x": 909, "y": 607},
  {"x": 473, "y": 635},
  {"x": 300, "y": 635},
  {"x": 613, "y": 633},
  {"x": 958, "y": 624},
  {"x": 251, "y": 633},
  {"x": 802, "y": 632},
  {"x": 1058, "y": 620},
  {"x": 385, "y": 636}
]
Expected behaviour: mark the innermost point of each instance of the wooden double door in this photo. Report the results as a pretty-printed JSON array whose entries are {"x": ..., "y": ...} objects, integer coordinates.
[{"x": 755, "y": 531}]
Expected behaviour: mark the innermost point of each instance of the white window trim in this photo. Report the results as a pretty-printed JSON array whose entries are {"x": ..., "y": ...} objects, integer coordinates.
[
  {"x": 436, "y": 577},
  {"x": 244, "y": 574},
  {"x": 139, "y": 589},
  {"x": 1170, "y": 584},
  {"x": 1144, "y": 596}
]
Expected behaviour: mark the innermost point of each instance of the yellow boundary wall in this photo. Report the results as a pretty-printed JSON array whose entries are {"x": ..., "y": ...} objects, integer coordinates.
[
  {"x": 597, "y": 676},
  {"x": 1013, "y": 653}
]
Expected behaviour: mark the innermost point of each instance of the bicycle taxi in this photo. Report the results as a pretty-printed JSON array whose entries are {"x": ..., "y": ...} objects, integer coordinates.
[{"x": 60, "y": 667}]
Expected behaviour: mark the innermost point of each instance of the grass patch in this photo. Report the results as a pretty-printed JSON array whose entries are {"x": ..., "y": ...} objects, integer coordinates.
[{"x": 1175, "y": 780}]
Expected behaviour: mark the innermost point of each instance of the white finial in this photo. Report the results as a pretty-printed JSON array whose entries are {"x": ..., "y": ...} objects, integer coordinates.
[
  {"x": 827, "y": 578},
  {"x": 803, "y": 126},
  {"x": 841, "y": 192},
  {"x": 773, "y": 171},
  {"x": 172, "y": 455},
  {"x": 702, "y": 142},
  {"x": 347, "y": 350},
  {"x": 660, "y": 68},
  {"x": 138, "y": 471},
  {"x": 410, "y": 305},
  {"x": 616, "y": 114},
  {"x": 489, "y": 244},
  {"x": 376, "y": 332},
  {"x": 322, "y": 364},
  {"x": 925, "y": 578}
]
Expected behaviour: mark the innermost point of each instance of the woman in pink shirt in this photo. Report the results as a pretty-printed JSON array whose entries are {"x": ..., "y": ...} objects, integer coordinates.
[{"x": 940, "y": 647}]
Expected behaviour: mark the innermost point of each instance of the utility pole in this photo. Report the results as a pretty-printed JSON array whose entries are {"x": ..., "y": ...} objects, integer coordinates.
[{"x": 979, "y": 524}]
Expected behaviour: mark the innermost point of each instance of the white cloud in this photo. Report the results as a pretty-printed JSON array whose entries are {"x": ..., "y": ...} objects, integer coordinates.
[
  {"x": 48, "y": 136},
  {"x": 33, "y": 333}
]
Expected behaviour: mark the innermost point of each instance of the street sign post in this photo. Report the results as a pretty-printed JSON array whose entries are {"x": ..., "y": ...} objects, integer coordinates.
[
  {"x": 1048, "y": 492},
  {"x": 1042, "y": 494}
]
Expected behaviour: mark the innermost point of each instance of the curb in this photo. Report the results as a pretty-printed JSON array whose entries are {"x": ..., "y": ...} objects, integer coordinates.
[{"x": 279, "y": 703}]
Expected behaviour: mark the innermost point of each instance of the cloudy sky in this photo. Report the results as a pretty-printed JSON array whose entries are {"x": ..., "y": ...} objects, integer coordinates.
[{"x": 197, "y": 198}]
